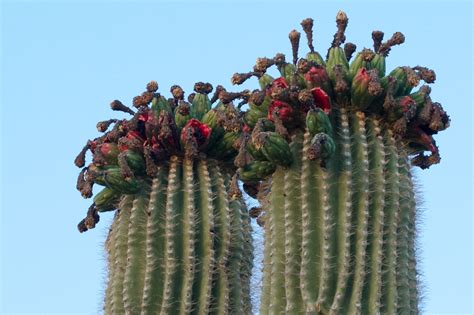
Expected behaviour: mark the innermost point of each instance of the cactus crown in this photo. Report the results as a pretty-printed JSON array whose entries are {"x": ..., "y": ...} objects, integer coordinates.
[
  {"x": 311, "y": 89},
  {"x": 159, "y": 129}
]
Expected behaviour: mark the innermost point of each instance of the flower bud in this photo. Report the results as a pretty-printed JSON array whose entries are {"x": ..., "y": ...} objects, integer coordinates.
[{"x": 317, "y": 121}]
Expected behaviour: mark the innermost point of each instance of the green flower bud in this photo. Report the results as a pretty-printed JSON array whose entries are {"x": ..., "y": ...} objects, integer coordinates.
[
  {"x": 107, "y": 200},
  {"x": 275, "y": 148},
  {"x": 365, "y": 88},
  {"x": 322, "y": 147},
  {"x": 317, "y": 121},
  {"x": 257, "y": 170},
  {"x": 159, "y": 103},
  {"x": 114, "y": 179}
]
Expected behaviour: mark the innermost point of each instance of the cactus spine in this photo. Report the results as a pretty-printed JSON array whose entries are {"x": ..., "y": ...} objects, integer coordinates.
[
  {"x": 180, "y": 242},
  {"x": 339, "y": 208}
]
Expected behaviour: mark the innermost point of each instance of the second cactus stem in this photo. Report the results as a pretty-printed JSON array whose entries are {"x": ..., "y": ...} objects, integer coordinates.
[
  {"x": 180, "y": 245},
  {"x": 346, "y": 226}
]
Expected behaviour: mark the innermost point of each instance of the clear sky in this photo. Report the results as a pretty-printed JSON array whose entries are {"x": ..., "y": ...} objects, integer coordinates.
[{"x": 61, "y": 65}]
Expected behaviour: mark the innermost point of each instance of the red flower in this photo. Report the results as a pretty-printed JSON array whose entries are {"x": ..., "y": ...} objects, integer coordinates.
[
  {"x": 277, "y": 85},
  {"x": 316, "y": 76},
  {"x": 284, "y": 111},
  {"x": 321, "y": 99},
  {"x": 200, "y": 132},
  {"x": 280, "y": 83}
]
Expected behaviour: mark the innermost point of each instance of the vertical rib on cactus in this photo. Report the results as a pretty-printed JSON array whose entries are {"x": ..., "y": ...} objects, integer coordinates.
[
  {"x": 376, "y": 217},
  {"x": 389, "y": 297},
  {"x": 293, "y": 229},
  {"x": 153, "y": 290},
  {"x": 205, "y": 251},
  {"x": 344, "y": 209},
  {"x": 222, "y": 243},
  {"x": 276, "y": 228},
  {"x": 312, "y": 236},
  {"x": 136, "y": 250},
  {"x": 173, "y": 255},
  {"x": 117, "y": 270},
  {"x": 403, "y": 286},
  {"x": 361, "y": 214}
]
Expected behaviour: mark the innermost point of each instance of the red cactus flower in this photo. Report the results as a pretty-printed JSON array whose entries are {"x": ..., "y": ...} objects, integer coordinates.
[
  {"x": 285, "y": 111},
  {"x": 280, "y": 83},
  {"x": 316, "y": 76},
  {"x": 201, "y": 132},
  {"x": 321, "y": 99}
]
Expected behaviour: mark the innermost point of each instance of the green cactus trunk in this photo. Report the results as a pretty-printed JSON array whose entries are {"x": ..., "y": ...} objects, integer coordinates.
[
  {"x": 339, "y": 238},
  {"x": 181, "y": 245}
]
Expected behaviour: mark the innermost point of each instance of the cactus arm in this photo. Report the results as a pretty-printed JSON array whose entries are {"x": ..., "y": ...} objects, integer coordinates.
[
  {"x": 292, "y": 188},
  {"x": 204, "y": 252},
  {"x": 110, "y": 248},
  {"x": 120, "y": 240},
  {"x": 235, "y": 261},
  {"x": 376, "y": 204},
  {"x": 189, "y": 258},
  {"x": 172, "y": 280},
  {"x": 403, "y": 284},
  {"x": 344, "y": 210},
  {"x": 389, "y": 297},
  {"x": 277, "y": 242},
  {"x": 136, "y": 244},
  {"x": 312, "y": 219},
  {"x": 222, "y": 228},
  {"x": 153, "y": 290},
  {"x": 361, "y": 211}
]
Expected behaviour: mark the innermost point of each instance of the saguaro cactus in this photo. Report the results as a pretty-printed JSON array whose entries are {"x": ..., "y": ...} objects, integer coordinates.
[
  {"x": 180, "y": 241},
  {"x": 332, "y": 145}
]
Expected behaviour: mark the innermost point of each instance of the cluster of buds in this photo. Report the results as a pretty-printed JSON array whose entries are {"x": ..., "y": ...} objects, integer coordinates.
[
  {"x": 304, "y": 96},
  {"x": 130, "y": 150}
]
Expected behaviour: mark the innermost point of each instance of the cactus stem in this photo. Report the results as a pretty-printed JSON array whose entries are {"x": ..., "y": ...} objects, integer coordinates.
[
  {"x": 172, "y": 279},
  {"x": 189, "y": 255},
  {"x": 204, "y": 250},
  {"x": 389, "y": 298},
  {"x": 403, "y": 285},
  {"x": 376, "y": 206},
  {"x": 293, "y": 236},
  {"x": 277, "y": 245},
  {"x": 314, "y": 201},
  {"x": 343, "y": 224},
  {"x": 360, "y": 197},
  {"x": 222, "y": 252},
  {"x": 136, "y": 250},
  {"x": 120, "y": 240},
  {"x": 153, "y": 287}
]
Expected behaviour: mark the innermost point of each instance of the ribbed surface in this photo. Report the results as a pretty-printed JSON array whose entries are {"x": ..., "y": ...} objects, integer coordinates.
[
  {"x": 348, "y": 227},
  {"x": 179, "y": 246}
]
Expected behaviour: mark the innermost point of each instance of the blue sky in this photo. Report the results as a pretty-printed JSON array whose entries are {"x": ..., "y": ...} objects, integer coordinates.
[{"x": 62, "y": 63}]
